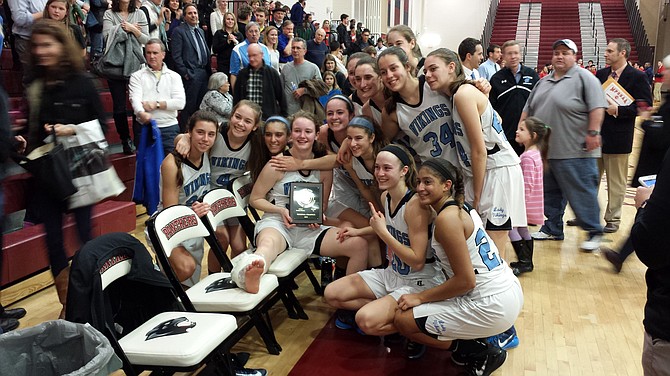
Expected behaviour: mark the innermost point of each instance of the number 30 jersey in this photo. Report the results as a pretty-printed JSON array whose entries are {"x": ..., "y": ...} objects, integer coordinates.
[
  {"x": 428, "y": 124},
  {"x": 491, "y": 271},
  {"x": 398, "y": 228}
]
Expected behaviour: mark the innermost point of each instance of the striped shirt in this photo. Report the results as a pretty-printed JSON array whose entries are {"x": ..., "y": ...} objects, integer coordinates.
[{"x": 531, "y": 166}]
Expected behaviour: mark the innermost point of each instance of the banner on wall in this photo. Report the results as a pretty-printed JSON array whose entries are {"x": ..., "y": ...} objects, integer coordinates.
[{"x": 398, "y": 12}]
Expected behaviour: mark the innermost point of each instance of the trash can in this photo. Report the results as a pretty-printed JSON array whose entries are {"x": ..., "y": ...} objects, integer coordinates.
[{"x": 57, "y": 348}]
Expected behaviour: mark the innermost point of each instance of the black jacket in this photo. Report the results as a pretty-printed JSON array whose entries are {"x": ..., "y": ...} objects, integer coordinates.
[
  {"x": 274, "y": 102},
  {"x": 617, "y": 132},
  {"x": 649, "y": 241},
  {"x": 143, "y": 293},
  {"x": 508, "y": 98}
]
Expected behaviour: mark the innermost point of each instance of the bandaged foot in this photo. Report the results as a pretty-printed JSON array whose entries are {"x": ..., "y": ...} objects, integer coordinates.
[{"x": 248, "y": 271}]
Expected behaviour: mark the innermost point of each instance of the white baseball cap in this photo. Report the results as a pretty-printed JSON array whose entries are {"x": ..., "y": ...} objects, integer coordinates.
[{"x": 565, "y": 42}]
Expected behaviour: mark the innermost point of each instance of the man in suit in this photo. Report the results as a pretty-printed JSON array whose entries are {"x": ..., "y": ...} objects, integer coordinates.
[
  {"x": 192, "y": 62},
  {"x": 618, "y": 126}
]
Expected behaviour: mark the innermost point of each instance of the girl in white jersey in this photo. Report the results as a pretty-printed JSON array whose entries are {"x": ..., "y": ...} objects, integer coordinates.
[
  {"x": 275, "y": 232},
  {"x": 183, "y": 181},
  {"x": 370, "y": 88},
  {"x": 481, "y": 296},
  {"x": 347, "y": 205},
  {"x": 491, "y": 168},
  {"x": 228, "y": 160},
  {"x": 422, "y": 114},
  {"x": 404, "y": 229},
  {"x": 402, "y": 36}
]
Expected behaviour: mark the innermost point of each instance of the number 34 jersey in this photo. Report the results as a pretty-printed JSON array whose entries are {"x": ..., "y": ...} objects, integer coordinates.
[
  {"x": 492, "y": 274},
  {"x": 427, "y": 125}
]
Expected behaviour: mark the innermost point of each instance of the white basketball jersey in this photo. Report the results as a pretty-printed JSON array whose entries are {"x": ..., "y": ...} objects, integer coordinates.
[
  {"x": 490, "y": 270},
  {"x": 498, "y": 149},
  {"x": 195, "y": 183},
  {"x": 398, "y": 228},
  {"x": 228, "y": 163},
  {"x": 280, "y": 192},
  {"x": 376, "y": 113},
  {"x": 427, "y": 124},
  {"x": 358, "y": 104}
]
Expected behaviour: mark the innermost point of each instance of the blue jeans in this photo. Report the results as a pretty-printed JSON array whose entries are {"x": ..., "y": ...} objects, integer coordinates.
[
  {"x": 576, "y": 181},
  {"x": 168, "y": 134}
]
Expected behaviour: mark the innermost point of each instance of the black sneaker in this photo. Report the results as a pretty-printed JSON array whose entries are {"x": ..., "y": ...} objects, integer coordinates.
[
  {"x": 345, "y": 319},
  {"x": 393, "y": 339},
  {"x": 128, "y": 147},
  {"x": 7, "y": 325},
  {"x": 488, "y": 362},
  {"x": 415, "y": 350},
  {"x": 250, "y": 372},
  {"x": 14, "y": 313}
]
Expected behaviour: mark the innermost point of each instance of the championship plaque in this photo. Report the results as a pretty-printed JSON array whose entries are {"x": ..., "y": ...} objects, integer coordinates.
[{"x": 306, "y": 203}]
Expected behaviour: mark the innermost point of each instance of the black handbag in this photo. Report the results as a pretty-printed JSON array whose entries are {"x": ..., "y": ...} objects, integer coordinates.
[{"x": 51, "y": 169}]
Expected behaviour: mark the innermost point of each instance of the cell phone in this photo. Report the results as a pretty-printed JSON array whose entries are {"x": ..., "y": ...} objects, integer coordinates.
[{"x": 647, "y": 181}]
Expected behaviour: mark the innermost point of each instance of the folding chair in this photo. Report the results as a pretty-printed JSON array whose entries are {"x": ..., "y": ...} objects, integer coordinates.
[
  {"x": 288, "y": 265},
  {"x": 169, "y": 341},
  {"x": 215, "y": 293}
]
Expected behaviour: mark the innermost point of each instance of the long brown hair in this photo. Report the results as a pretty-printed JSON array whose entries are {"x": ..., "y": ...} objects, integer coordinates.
[
  {"x": 70, "y": 60},
  {"x": 391, "y": 98},
  {"x": 539, "y": 133},
  {"x": 449, "y": 57}
]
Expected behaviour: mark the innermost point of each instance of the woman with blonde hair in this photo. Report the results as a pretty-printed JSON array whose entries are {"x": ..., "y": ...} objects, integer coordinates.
[
  {"x": 271, "y": 39},
  {"x": 225, "y": 39}
]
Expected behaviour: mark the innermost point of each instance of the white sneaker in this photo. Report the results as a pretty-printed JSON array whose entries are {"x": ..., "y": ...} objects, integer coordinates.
[
  {"x": 592, "y": 243},
  {"x": 541, "y": 235}
]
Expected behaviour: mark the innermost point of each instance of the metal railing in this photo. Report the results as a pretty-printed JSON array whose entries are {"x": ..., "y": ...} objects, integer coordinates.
[
  {"x": 594, "y": 34},
  {"x": 525, "y": 42},
  {"x": 488, "y": 25},
  {"x": 645, "y": 51}
]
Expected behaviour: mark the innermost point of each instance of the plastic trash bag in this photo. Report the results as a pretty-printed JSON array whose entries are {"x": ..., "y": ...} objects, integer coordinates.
[{"x": 57, "y": 348}]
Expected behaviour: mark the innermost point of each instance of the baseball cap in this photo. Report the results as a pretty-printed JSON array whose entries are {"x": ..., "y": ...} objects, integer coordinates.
[{"x": 565, "y": 42}]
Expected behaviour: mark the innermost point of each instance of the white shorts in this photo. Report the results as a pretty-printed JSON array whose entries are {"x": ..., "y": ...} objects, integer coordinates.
[
  {"x": 337, "y": 205},
  {"x": 296, "y": 237},
  {"x": 385, "y": 282},
  {"x": 465, "y": 318},
  {"x": 502, "y": 204}
]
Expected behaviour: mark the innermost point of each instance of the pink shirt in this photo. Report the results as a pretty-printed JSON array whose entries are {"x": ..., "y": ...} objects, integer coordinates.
[{"x": 531, "y": 165}]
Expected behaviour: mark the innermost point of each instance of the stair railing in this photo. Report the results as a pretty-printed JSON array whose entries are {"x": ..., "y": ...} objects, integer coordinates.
[
  {"x": 645, "y": 51},
  {"x": 488, "y": 25}
]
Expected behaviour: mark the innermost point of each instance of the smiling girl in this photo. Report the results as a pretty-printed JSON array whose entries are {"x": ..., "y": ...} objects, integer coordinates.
[{"x": 276, "y": 232}]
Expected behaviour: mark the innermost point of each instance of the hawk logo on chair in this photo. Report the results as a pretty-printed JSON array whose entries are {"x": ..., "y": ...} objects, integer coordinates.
[
  {"x": 221, "y": 284},
  {"x": 179, "y": 224},
  {"x": 173, "y": 327},
  {"x": 221, "y": 204}
]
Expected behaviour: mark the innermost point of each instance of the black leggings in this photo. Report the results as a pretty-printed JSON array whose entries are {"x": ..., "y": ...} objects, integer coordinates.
[
  {"x": 51, "y": 212},
  {"x": 117, "y": 88}
]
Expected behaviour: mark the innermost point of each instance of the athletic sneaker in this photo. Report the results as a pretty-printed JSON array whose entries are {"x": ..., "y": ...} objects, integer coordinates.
[
  {"x": 345, "y": 319},
  {"x": 506, "y": 340},
  {"x": 541, "y": 235},
  {"x": 592, "y": 243},
  {"x": 414, "y": 350},
  {"x": 250, "y": 372},
  {"x": 490, "y": 361}
]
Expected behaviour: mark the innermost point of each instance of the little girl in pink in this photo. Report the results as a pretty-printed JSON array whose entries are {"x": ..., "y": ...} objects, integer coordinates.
[{"x": 533, "y": 134}]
